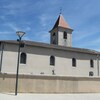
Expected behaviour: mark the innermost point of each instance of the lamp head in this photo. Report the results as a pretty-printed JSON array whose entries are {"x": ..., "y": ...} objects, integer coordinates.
[{"x": 20, "y": 33}]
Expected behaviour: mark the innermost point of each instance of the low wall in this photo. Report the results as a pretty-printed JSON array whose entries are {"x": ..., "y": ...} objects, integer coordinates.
[{"x": 49, "y": 84}]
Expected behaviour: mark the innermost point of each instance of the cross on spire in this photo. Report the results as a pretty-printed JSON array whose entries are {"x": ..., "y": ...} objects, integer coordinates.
[{"x": 61, "y": 10}]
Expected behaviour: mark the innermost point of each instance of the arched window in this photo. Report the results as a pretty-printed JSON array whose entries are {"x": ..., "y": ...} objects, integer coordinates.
[
  {"x": 91, "y": 63},
  {"x": 65, "y": 35},
  {"x": 54, "y": 34},
  {"x": 54, "y": 38},
  {"x": 73, "y": 62},
  {"x": 23, "y": 58},
  {"x": 52, "y": 60}
]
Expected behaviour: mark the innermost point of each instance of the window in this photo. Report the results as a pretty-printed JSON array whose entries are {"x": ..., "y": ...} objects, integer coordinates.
[
  {"x": 54, "y": 34},
  {"x": 65, "y": 35},
  {"x": 52, "y": 60},
  {"x": 23, "y": 58},
  {"x": 91, "y": 63},
  {"x": 54, "y": 38},
  {"x": 90, "y": 73},
  {"x": 73, "y": 62}
]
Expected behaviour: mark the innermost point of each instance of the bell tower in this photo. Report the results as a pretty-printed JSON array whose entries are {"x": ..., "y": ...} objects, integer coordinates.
[{"x": 61, "y": 33}]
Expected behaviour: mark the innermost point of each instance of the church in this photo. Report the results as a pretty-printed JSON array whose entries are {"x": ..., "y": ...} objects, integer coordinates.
[{"x": 58, "y": 58}]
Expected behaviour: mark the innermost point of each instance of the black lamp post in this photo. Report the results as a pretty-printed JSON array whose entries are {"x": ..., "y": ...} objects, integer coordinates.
[{"x": 20, "y": 35}]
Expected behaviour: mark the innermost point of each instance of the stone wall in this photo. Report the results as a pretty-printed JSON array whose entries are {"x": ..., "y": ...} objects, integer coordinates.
[{"x": 49, "y": 84}]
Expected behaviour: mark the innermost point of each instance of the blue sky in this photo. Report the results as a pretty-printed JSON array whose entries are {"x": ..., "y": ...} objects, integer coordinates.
[{"x": 37, "y": 17}]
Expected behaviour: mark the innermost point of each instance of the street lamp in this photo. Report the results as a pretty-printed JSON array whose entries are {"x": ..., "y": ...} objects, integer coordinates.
[{"x": 20, "y": 35}]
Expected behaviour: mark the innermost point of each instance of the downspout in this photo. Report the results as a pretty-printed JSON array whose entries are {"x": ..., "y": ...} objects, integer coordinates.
[
  {"x": 2, "y": 48},
  {"x": 98, "y": 64}
]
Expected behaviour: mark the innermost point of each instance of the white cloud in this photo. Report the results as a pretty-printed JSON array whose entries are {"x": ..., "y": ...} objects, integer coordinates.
[
  {"x": 78, "y": 36},
  {"x": 45, "y": 37},
  {"x": 13, "y": 27},
  {"x": 43, "y": 18},
  {"x": 26, "y": 38},
  {"x": 5, "y": 32},
  {"x": 42, "y": 36},
  {"x": 17, "y": 7}
]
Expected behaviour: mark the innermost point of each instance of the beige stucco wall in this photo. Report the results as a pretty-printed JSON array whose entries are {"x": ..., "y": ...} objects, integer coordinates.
[
  {"x": 49, "y": 84},
  {"x": 62, "y": 41},
  {"x": 38, "y": 60}
]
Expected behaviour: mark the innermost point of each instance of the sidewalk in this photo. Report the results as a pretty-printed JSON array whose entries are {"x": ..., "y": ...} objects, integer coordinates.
[{"x": 23, "y": 96}]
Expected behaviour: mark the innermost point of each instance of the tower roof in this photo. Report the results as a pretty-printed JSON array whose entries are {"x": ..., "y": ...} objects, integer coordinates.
[{"x": 61, "y": 22}]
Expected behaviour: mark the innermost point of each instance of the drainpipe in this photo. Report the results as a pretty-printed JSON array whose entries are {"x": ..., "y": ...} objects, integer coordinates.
[
  {"x": 98, "y": 63},
  {"x": 2, "y": 48}
]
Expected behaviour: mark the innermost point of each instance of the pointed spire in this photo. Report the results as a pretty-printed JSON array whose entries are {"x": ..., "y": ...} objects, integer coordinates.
[{"x": 61, "y": 22}]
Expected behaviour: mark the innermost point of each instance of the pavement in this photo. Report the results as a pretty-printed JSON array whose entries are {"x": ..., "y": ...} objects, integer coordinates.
[{"x": 26, "y": 96}]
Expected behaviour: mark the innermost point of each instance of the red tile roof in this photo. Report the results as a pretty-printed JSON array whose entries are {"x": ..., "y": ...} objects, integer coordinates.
[{"x": 61, "y": 22}]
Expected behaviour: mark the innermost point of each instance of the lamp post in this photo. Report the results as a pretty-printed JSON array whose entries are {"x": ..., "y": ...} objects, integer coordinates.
[{"x": 20, "y": 35}]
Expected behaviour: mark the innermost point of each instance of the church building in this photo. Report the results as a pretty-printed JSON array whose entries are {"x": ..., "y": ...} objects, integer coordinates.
[{"x": 57, "y": 58}]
